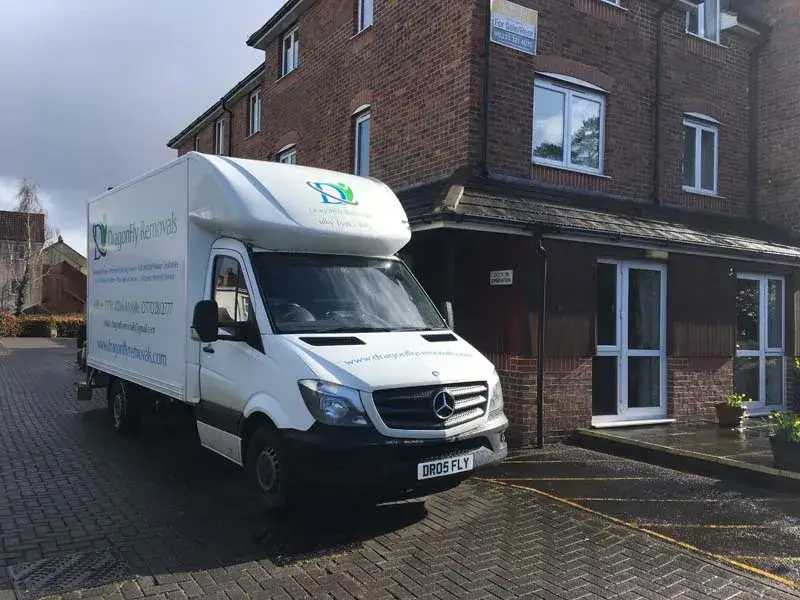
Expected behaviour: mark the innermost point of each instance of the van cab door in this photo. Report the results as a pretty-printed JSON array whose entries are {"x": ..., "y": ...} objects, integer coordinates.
[{"x": 227, "y": 366}]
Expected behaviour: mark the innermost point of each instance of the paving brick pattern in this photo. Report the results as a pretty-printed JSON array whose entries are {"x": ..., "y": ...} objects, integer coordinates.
[{"x": 183, "y": 521}]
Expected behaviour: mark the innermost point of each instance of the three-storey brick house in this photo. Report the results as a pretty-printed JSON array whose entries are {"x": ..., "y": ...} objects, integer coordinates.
[{"x": 632, "y": 169}]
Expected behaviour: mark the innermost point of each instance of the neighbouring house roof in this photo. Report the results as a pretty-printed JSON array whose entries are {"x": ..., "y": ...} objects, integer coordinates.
[
  {"x": 554, "y": 209},
  {"x": 66, "y": 251},
  {"x": 14, "y": 226},
  {"x": 255, "y": 76}
]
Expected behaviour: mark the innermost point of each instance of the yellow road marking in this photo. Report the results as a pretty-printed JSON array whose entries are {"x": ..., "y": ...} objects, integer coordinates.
[
  {"x": 686, "y": 546},
  {"x": 591, "y": 499},
  {"x": 561, "y": 461},
  {"x": 789, "y": 558},
  {"x": 702, "y": 526},
  {"x": 501, "y": 478}
]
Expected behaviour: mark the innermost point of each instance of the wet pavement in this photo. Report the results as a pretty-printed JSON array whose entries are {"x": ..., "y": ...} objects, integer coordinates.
[
  {"x": 156, "y": 516},
  {"x": 749, "y": 446},
  {"x": 746, "y": 526}
]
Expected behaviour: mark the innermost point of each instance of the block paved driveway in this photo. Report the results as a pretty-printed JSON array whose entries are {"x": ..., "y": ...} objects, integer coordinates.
[{"x": 181, "y": 520}]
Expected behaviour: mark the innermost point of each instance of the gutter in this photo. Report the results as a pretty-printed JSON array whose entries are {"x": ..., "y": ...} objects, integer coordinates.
[
  {"x": 486, "y": 70},
  {"x": 657, "y": 107},
  {"x": 755, "y": 117}
]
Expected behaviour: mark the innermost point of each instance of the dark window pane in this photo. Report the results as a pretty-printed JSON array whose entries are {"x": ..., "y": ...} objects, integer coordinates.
[
  {"x": 644, "y": 309},
  {"x": 644, "y": 381},
  {"x": 747, "y": 309},
  {"x": 548, "y": 124},
  {"x": 708, "y": 162},
  {"x": 606, "y": 304},
  {"x": 585, "y": 147},
  {"x": 745, "y": 377},
  {"x": 689, "y": 134},
  {"x": 604, "y": 385},
  {"x": 774, "y": 374},
  {"x": 774, "y": 313}
]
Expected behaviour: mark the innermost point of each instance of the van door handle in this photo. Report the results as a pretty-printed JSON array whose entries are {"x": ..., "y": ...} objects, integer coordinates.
[{"x": 208, "y": 349}]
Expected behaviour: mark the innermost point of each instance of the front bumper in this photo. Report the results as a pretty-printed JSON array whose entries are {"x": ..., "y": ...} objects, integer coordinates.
[{"x": 367, "y": 459}]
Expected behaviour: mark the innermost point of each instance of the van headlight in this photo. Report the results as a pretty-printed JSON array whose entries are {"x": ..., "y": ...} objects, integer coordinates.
[
  {"x": 496, "y": 398},
  {"x": 333, "y": 404}
]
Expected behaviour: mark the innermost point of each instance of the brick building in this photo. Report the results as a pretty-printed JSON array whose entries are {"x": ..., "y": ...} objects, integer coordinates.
[
  {"x": 631, "y": 165},
  {"x": 22, "y": 237},
  {"x": 63, "y": 279}
]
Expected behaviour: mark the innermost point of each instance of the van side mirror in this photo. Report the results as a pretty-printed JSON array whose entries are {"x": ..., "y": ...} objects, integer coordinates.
[
  {"x": 447, "y": 312},
  {"x": 205, "y": 320}
]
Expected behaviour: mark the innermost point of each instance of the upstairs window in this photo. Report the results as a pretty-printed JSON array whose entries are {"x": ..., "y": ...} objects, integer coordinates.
[
  {"x": 362, "y": 142},
  {"x": 703, "y": 20},
  {"x": 290, "y": 51},
  {"x": 255, "y": 112},
  {"x": 568, "y": 127},
  {"x": 365, "y": 11},
  {"x": 700, "y": 156},
  {"x": 219, "y": 136},
  {"x": 288, "y": 156}
]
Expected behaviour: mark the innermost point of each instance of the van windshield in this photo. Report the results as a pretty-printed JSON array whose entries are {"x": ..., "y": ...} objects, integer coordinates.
[{"x": 333, "y": 294}]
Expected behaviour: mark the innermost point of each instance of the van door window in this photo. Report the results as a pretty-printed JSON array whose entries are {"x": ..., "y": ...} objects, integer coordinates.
[{"x": 231, "y": 294}]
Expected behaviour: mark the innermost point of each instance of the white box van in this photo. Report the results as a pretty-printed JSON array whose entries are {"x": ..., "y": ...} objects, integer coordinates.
[{"x": 268, "y": 298}]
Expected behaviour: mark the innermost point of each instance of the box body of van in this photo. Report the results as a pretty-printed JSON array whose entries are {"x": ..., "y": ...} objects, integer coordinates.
[{"x": 268, "y": 299}]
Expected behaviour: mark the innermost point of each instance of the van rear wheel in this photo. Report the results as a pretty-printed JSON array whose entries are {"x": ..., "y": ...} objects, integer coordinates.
[{"x": 267, "y": 469}]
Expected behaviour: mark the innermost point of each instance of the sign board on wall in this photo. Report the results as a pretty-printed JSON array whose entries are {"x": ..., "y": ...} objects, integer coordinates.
[
  {"x": 501, "y": 277},
  {"x": 514, "y": 26}
]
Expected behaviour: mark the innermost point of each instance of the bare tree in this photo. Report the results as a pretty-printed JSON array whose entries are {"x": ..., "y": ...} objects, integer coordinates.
[{"x": 27, "y": 253}]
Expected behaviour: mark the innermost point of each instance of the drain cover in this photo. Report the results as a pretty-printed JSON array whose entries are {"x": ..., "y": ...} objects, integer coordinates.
[{"x": 59, "y": 575}]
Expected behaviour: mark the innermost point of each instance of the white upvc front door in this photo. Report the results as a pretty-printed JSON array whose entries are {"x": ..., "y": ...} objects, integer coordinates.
[
  {"x": 759, "y": 367},
  {"x": 631, "y": 342}
]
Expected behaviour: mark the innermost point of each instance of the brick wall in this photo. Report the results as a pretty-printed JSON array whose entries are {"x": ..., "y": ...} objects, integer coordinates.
[
  {"x": 615, "y": 49},
  {"x": 695, "y": 385},
  {"x": 779, "y": 140},
  {"x": 567, "y": 395}
]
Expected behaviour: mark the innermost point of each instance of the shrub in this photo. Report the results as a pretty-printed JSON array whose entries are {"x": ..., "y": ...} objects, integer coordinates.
[
  {"x": 39, "y": 325},
  {"x": 9, "y": 325},
  {"x": 785, "y": 427}
]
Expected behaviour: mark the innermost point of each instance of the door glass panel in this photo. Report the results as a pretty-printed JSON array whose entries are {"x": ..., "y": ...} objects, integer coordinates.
[
  {"x": 607, "y": 316},
  {"x": 774, "y": 313},
  {"x": 644, "y": 309},
  {"x": 604, "y": 385},
  {"x": 644, "y": 381},
  {"x": 230, "y": 293},
  {"x": 774, "y": 372},
  {"x": 745, "y": 377},
  {"x": 747, "y": 309}
]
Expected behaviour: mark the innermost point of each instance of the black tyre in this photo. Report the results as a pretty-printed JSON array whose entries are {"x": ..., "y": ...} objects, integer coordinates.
[
  {"x": 268, "y": 470},
  {"x": 125, "y": 416}
]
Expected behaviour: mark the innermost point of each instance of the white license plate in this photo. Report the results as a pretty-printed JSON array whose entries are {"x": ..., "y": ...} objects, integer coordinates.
[{"x": 445, "y": 466}]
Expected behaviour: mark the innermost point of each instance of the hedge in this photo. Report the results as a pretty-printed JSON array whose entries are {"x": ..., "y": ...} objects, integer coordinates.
[
  {"x": 9, "y": 325},
  {"x": 70, "y": 326}
]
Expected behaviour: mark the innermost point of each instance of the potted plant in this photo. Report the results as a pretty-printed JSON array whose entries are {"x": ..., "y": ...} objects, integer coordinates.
[
  {"x": 731, "y": 412},
  {"x": 784, "y": 439},
  {"x": 53, "y": 327}
]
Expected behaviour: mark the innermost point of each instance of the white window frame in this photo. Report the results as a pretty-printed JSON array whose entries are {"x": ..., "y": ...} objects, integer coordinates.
[
  {"x": 287, "y": 155},
  {"x": 362, "y": 23},
  {"x": 700, "y": 125},
  {"x": 361, "y": 116},
  {"x": 701, "y": 21},
  {"x": 764, "y": 351},
  {"x": 292, "y": 53},
  {"x": 613, "y": 2},
  {"x": 254, "y": 106},
  {"x": 570, "y": 92},
  {"x": 219, "y": 136}
]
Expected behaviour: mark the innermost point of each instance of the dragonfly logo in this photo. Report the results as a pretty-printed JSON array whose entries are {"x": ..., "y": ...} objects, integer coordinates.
[
  {"x": 100, "y": 236},
  {"x": 334, "y": 193}
]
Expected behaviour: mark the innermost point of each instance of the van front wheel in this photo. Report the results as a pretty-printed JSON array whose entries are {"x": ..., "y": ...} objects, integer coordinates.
[{"x": 267, "y": 469}]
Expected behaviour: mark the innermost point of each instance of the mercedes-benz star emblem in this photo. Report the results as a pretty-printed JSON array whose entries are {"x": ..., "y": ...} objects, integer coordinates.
[{"x": 444, "y": 405}]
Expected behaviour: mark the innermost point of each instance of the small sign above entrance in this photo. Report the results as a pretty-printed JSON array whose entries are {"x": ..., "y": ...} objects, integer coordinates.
[
  {"x": 501, "y": 277},
  {"x": 514, "y": 26}
]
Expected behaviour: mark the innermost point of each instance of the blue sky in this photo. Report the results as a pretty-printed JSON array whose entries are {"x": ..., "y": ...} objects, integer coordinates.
[{"x": 92, "y": 90}]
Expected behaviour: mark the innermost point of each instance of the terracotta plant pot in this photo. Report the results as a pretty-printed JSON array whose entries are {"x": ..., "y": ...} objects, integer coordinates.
[
  {"x": 730, "y": 416},
  {"x": 786, "y": 454}
]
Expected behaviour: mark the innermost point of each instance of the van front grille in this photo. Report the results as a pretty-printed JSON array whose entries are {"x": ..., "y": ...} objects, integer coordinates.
[{"x": 414, "y": 408}]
